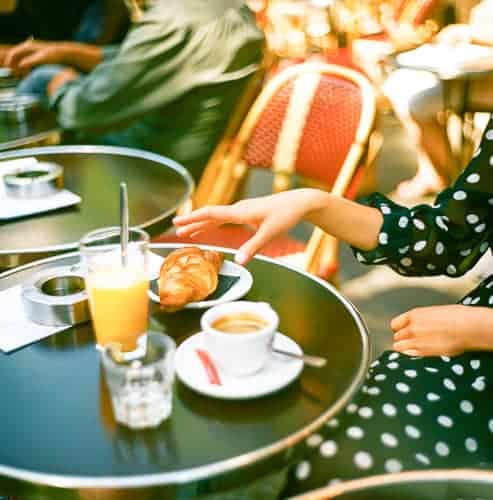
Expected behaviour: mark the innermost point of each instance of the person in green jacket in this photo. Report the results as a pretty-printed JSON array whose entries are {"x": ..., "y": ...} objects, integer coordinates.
[{"x": 169, "y": 88}]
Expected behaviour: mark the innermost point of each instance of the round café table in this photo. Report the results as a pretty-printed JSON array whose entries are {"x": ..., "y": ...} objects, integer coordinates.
[
  {"x": 57, "y": 428},
  {"x": 41, "y": 129},
  {"x": 157, "y": 186}
]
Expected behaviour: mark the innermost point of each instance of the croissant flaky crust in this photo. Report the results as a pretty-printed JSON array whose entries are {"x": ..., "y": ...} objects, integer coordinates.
[{"x": 188, "y": 275}]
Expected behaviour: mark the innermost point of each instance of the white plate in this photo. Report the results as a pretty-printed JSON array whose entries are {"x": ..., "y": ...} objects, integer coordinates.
[
  {"x": 238, "y": 290},
  {"x": 278, "y": 373}
]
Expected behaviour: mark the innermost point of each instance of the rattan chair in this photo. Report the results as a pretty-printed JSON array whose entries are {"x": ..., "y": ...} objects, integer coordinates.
[{"x": 312, "y": 123}]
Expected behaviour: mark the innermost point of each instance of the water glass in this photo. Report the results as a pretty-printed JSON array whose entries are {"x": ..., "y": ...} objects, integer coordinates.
[{"x": 141, "y": 390}]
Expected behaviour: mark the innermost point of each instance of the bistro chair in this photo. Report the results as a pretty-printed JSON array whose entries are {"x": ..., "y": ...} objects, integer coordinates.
[
  {"x": 312, "y": 123},
  {"x": 451, "y": 484}
]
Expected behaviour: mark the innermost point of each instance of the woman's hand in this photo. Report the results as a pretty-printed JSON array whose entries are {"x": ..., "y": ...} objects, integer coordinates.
[
  {"x": 24, "y": 56},
  {"x": 269, "y": 215},
  {"x": 443, "y": 330}
]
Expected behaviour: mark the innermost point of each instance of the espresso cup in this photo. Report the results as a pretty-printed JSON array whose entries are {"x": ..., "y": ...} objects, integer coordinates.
[{"x": 241, "y": 352}]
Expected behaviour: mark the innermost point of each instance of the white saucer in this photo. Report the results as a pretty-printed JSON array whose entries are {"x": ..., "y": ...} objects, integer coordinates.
[
  {"x": 238, "y": 290},
  {"x": 278, "y": 373}
]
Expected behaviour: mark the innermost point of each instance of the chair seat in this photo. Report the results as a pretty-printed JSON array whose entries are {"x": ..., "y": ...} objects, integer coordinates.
[{"x": 233, "y": 237}]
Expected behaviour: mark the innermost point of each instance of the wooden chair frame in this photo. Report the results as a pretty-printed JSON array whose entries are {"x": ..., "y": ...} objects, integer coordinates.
[{"x": 226, "y": 171}]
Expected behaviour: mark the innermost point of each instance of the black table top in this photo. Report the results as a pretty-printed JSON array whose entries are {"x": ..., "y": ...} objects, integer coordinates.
[
  {"x": 39, "y": 127},
  {"x": 156, "y": 188},
  {"x": 57, "y": 426}
]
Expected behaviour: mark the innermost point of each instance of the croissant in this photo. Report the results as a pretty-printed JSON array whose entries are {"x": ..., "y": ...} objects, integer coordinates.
[{"x": 188, "y": 275}]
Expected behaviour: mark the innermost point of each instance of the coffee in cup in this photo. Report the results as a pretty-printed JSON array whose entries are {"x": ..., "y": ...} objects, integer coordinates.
[{"x": 238, "y": 335}]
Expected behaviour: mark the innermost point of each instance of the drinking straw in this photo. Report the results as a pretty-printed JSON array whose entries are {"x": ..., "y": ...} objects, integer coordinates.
[{"x": 124, "y": 222}]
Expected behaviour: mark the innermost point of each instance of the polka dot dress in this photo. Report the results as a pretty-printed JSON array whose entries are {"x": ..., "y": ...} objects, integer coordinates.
[{"x": 418, "y": 413}]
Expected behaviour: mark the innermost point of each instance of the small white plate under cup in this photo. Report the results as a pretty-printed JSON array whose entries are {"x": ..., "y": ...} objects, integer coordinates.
[
  {"x": 237, "y": 290},
  {"x": 279, "y": 372}
]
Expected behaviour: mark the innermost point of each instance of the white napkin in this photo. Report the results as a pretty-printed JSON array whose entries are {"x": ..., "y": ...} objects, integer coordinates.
[
  {"x": 11, "y": 208},
  {"x": 15, "y": 329}
]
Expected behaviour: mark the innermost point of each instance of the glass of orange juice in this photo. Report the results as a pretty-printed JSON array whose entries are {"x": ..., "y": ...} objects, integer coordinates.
[{"x": 117, "y": 290}]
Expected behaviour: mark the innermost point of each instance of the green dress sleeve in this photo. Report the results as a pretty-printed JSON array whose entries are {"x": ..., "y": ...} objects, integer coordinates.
[{"x": 448, "y": 237}]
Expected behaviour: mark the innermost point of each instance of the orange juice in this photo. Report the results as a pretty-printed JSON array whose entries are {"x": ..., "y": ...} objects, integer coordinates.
[{"x": 119, "y": 305}]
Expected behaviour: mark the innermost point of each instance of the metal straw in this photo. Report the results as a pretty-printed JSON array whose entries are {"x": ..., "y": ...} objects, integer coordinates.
[{"x": 124, "y": 222}]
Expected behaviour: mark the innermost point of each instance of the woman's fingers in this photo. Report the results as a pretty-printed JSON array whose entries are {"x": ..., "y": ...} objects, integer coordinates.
[
  {"x": 194, "y": 228},
  {"x": 402, "y": 334},
  {"x": 17, "y": 53},
  {"x": 263, "y": 235},
  {"x": 220, "y": 213},
  {"x": 399, "y": 322},
  {"x": 405, "y": 345}
]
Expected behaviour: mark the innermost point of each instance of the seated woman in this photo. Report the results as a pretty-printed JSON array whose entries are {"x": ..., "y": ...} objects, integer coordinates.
[
  {"x": 418, "y": 98},
  {"x": 172, "y": 85},
  {"x": 427, "y": 403}
]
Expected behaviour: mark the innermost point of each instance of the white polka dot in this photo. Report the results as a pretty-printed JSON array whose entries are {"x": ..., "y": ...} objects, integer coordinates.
[
  {"x": 442, "y": 449},
  {"x": 412, "y": 432},
  {"x": 439, "y": 248},
  {"x": 445, "y": 358},
  {"x": 421, "y": 457},
  {"x": 491, "y": 160},
  {"x": 334, "y": 481},
  {"x": 445, "y": 421},
  {"x": 389, "y": 440},
  {"x": 449, "y": 384},
  {"x": 460, "y": 195},
  {"x": 380, "y": 377},
  {"x": 393, "y": 355},
  {"x": 431, "y": 369},
  {"x": 451, "y": 269},
  {"x": 392, "y": 465},
  {"x": 410, "y": 373},
  {"x": 403, "y": 222},
  {"x": 363, "y": 460},
  {"x": 480, "y": 228},
  {"x": 475, "y": 300},
  {"x": 466, "y": 406},
  {"x": 476, "y": 153},
  {"x": 458, "y": 369},
  {"x": 406, "y": 262},
  {"x": 328, "y": 449},
  {"x": 418, "y": 246},
  {"x": 314, "y": 440},
  {"x": 333, "y": 423},
  {"x": 484, "y": 246},
  {"x": 383, "y": 238},
  {"x": 490, "y": 201},
  {"x": 479, "y": 384},
  {"x": 303, "y": 470},
  {"x": 419, "y": 224},
  {"x": 413, "y": 409},
  {"x": 465, "y": 252},
  {"x": 490, "y": 300},
  {"x": 472, "y": 218},
  {"x": 441, "y": 222},
  {"x": 365, "y": 412},
  {"x": 475, "y": 364},
  {"x": 385, "y": 209},
  {"x": 389, "y": 410},
  {"x": 473, "y": 178},
  {"x": 352, "y": 408},
  {"x": 402, "y": 387},
  {"x": 373, "y": 391},
  {"x": 355, "y": 432},
  {"x": 393, "y": 365},
  {"x": 430, "y": 266},
  {"x": 360, "y": 257},
  {"x": 431, "y": 396},
  {"x": 490, "y": 425},
  {"x": 489, "y": 135},
  {"x": 471, "y": 445},
  {"x": 467, "y": 301},
  {"x": 403, "y": 250}
]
